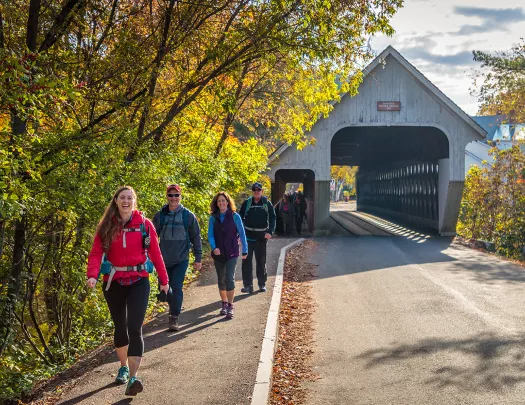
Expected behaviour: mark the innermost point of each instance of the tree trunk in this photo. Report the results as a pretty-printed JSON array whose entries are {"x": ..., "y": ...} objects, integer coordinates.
[
  {"x": 2, "y": 237},
  {"x": 17, "y": 263},
  {"x": 13, "y": 286},
  {"x": 157, "y": 63},
  {"x": 230, "y": 117},
  {"x": 2, "y": 42}
]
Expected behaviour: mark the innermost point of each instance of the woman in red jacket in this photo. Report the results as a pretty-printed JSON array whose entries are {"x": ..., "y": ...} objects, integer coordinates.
[{"x": 121, "y": 237}]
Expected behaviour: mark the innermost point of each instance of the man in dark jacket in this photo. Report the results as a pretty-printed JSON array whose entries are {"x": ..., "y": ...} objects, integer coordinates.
[
  {"x": 177, "y": 229},
  {"x": 258, "y": 216}
]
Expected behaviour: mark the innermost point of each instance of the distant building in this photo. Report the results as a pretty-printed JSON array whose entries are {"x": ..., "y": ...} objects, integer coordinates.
[{"x": 501, "y": 132}]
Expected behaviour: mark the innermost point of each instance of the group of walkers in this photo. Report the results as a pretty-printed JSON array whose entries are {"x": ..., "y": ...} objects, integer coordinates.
[
  {"x": 291, "y": 211},
  {"x": 126, "y": 249}
]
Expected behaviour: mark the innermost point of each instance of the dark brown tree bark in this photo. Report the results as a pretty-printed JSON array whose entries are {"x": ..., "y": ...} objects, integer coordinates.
[
  {"x": 230, "y": 116},
  {"x": 2, "y": 41}
]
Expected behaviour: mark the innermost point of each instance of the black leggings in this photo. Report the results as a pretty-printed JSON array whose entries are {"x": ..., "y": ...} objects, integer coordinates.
[{"x": 127, "y": 305}]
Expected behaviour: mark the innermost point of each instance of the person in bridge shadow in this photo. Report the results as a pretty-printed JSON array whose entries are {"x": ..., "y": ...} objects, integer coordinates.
[
  {"x": 300, "y": 211},
  {"x": 124, "y": 243},
  {"x": 225, "y": 229},
  {"x": 279, "y": 229},
  {"x": 287, "y": 211}
]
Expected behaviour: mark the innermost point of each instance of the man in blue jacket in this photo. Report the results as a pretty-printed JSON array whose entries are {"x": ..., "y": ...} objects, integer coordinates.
[
  {"x": 178, "y": 229},
  {"x": 258, "y": 216}
]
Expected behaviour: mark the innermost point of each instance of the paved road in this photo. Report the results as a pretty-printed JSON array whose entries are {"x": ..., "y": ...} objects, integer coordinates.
[
  {"x": 209, "y": 361},
  {"x": 417, "y": 321},
  {"x": 343, "y": 206}
]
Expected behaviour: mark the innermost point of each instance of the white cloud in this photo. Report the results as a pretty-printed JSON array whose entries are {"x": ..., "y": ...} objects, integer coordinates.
[{"x": 439, "y": 40}]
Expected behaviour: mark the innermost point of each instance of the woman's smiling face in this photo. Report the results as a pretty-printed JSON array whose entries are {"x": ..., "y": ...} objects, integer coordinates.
[
  {"x": 222, "y": 203},
  {"x": 125, "y": 202}
]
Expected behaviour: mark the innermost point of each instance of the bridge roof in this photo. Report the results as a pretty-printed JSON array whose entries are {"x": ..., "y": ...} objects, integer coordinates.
[
  {"x": 389, "y": 50},
  {"x": 419, "y": 77}
]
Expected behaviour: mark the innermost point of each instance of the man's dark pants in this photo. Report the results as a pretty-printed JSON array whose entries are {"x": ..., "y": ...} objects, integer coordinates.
[
  {"x": 176, "y": 274},
  {"x": 259, "y": 248}
]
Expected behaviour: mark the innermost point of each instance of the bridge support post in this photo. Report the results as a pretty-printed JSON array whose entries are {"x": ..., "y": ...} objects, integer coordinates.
[
  {"x": 321, "y": 207},
  {"x": 450, "y": 193}
]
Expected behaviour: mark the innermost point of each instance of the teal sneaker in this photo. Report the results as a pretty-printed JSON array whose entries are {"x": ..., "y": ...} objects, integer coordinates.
[
  {"x": 122, "y": 376},
  {"x": 134, "y": 387}
]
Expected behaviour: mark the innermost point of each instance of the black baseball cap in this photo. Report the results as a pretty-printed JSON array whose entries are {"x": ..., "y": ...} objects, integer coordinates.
[{"x": 256, "y": 185}]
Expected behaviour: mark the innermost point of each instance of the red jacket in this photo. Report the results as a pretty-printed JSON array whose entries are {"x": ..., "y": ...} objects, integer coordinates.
[{"x": 131, "y": 255}]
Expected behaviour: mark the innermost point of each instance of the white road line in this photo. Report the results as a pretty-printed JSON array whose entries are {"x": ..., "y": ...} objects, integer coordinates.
[{"x": 261, "y": 390}]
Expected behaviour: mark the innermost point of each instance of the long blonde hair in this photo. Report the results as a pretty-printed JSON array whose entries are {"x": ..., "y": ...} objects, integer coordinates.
[{"x": 110, "y": 223}]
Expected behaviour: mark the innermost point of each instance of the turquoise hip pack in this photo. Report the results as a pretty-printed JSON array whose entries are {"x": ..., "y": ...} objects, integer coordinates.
[{"x": 107, "y": 268}]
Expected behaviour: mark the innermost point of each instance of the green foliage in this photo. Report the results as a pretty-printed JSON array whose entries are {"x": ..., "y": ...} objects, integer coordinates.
[
  {"x": 493, "y": 204},
  {"x": 503, "y": 88},
  {"x": 144, "y": 94}
]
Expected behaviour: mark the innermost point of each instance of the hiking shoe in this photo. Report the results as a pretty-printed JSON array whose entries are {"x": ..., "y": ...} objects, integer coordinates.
[
  {"x": 223, "y": 310},
  {"x": 229, "y": 311},
  {"x": 123, "y": 375},
  {"x": 248, "y": 289},
  {"x": 173, "y": 323},
  {"x": 134, "y": 387},
  {"x": 262, "y": 288}
]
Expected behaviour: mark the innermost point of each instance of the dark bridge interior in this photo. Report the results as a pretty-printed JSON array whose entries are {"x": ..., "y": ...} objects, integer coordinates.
[
  {"x": 398, "y": 169},
  {"x": 370, "y": 147},
  {"x": 305, "y": 176}
]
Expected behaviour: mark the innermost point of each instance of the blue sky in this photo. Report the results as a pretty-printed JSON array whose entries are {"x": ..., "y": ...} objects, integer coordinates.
[{"x": 438, "y": 39}]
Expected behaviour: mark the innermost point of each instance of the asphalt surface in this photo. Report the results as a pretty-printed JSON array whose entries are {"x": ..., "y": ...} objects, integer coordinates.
[
  {"x": 416, "y": 320},
  {"x": 209, "y": 361}
]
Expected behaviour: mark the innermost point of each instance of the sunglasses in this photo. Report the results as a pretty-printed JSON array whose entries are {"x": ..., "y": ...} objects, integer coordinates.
[
  {"x": 173, "y": 195},
  {"x": 256, "y": 189}
]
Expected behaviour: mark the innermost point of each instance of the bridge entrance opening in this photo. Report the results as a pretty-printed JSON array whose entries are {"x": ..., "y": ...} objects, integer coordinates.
[
  {"x": 288, "y": 180},
  {"x": 398, "y": 175}
]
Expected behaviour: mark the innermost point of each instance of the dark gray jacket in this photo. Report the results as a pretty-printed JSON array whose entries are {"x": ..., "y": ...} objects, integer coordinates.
[{"x": 174, "y": 241}]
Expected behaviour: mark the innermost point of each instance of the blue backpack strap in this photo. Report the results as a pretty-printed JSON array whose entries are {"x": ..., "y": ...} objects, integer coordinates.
[
  {"x": 101, "y": 263},
  {"x": 145, "y": 234},
  {"x": 248, "y": 205},
  {"x": 185, "y": 222},
  {"x": 161, "y": 219},
  {"x": 265, "y": 204}
]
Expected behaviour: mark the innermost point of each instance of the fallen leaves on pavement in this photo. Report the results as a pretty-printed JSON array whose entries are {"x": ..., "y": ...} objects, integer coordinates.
[{"x": 292, "y": 363}]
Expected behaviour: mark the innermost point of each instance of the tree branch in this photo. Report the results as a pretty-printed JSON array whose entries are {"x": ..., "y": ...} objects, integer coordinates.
[
  {"x": 161, "y": 53},
  {"x": 230, "y": 116},
  {"x": 2, "y": 41},
  {"x": 242, "y": 53},
  {"x": 60, "y": 24},
  {"x": 32, "y": 287},
  {"x": 108, "y": 27},
  {"x": 28, "y": 337},
  {"x": 84, "y": 131},
  {"x": 32, "y": 25}
]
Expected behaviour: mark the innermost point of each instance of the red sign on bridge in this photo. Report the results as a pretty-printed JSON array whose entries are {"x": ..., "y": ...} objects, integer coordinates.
[{"x": 389, "y": 106}]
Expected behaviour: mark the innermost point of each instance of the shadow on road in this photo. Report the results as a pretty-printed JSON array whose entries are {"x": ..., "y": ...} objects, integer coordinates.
[
  {"x": 85, "y": 396},
  {"x": 488, "y": 269},
  {"x": 339, "y": 256},
  {"x": 156, "y": 333},
  {"x": 492, "y": 363}
]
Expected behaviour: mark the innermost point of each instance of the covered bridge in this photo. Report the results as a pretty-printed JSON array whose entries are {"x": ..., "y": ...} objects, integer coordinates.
[{"x": 407, "y": 138}]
